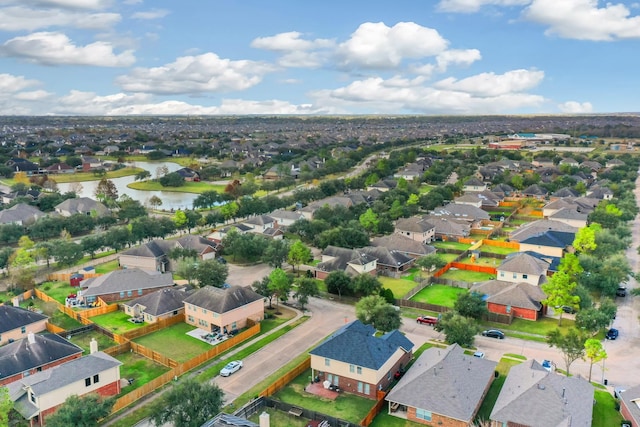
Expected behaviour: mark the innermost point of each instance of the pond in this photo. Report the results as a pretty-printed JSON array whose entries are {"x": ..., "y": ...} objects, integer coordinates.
[{"x": 170, "y": 199}]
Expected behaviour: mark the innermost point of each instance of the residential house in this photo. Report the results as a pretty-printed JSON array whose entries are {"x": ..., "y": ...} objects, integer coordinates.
[
  {"x": 359, "y": 362},
  {"x": 410, "y": 172},
  {"x": 154, "y": 255},
  {"x": 18, "y": 164},
  {"x": 260, "y": 223},
  {"x": 415, "y": 228},
  {"x": 564, "y": 193},
  {"x": 83, "y": 206},
  {"x": 551, "y": 243},
  {"x": 471, "y": 199},
  {"x": 59, "y": 168},
  {"x": 38, "y": 396},
  {"x": 488, "y": 199},
  {"x": 90, "y": 163},
  {"x": 444, "y": 386},
  {"x": 538, "y": 227},
  {"x": 34, "y": 353},
  {"x": 158, "y": 305},
  {"x": 383, "y": 185},
  {"x": 535, "y": 191},
  {"x": 523, "y": 267},
  {"x": 522, "y": 300},
  {"x": 228, "y": 420},
  {"x": 189, "y": 174},
  {"x": 285, "y": 218},
  {"x": 220, "y": 233},
  {"x": 331, "y": 202},
  {"x": 630, "y": 405},
  {"x": 351, "y": 261},
  {"x": 20, "y": 214},
  {"x": 571, "y": 217},
  {"x": 601, "y": 193},
  {"x": 614, "y": 162},
  {"x": 503, "y": 190},
  {"x": 471, "y": 214},
  {"x": 534, "y": 397},
  {"x": 224, "y": 310},
  {"x": 388, "y": 262},
  {"x": 16, "y": 323},
  {"x": 447, "y": 229},
  {"x": 403, "y": 244},
  {"x": 119, "y": 285},
  {"x": 474, "y": 185}
]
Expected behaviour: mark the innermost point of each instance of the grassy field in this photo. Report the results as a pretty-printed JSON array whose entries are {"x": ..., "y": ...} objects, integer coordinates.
[
  {"x": 451, "y": 245},
  {"x": 56, "y": 317},
  {"x": 503, "y": 368},
  {"x": 439, "y": 295},
  {"x": 426, "y": 188},
  {"x": 107, "y": 267},
  {"x": 188, "y": 187},
  {"x": 174, "y": 342},
  {"x": 83, "y": 340},
  {"x": 117, "y": 321},
  {"x": 140, "y": 369},
  {"x": 347, "y": 406},
  {"x": 467, "y": 276},
  {"x": 400, "y": 287},
  {"x": 85, "y": 176}
]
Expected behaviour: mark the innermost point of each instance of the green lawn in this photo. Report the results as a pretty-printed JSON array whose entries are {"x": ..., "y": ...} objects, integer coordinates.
[
  {"x": 489, "y": 401},
  {"x": 604, "y": 411},
  {"x": 448, "y": 257},
  {"x": 400, "y": 287},
  {"x": 486, "y": 261},
  {"x": 58, "y": 290},
  {"x": 141, "y": 369},
  {"x": 451, "y": 245},
  {"x": 188, "y": 187},
  {"x": 174, "y": 342},
  {"x": 117, "y": 321},
  {"x": 383, "y": 419},
  {"x": 426, "y": 188},
  {"x": 540, "y": 327},
  {"x": 518, "y": 221},
  {"x": 86, "y": 176},
  {"x": 497, "y": 250},
  {"x": 107, "y": 267},
  {"x": 83, "y": 340},
  {"x": 279, "y": 418},
  {"x": 347, "y": 406},
  {"x": 439, "y": 294},
  {"x": 277, "y": 319},
  {"x": 467, "y": 276},
  {"x": 65, "y": 322},
  {"x": 56, "y": 317}
]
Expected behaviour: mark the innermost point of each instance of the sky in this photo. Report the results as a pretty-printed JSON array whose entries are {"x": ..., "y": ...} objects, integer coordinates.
[{"x": 295, "y": 57}]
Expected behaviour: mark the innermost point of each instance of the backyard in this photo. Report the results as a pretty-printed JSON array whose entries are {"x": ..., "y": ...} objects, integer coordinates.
[
  {"x": 138, "y": 368},
  {"x": 56, "y": 317},
  {"x": 107, "y": 267},
  {"x": 439, "y": 295},
  {"x": 497, "y": 250},
  {"x": 58, "y": 290},
  {"x": 400, "y": 287},
  {"x": 451, "y": 245},
  {"x": 116, "y": 321},
  {"x": 83, "y": 340},
  {"x": 279, "y": 418},
  {"x": 174, "y": 342},
  {"x": 466, "y": 275}
]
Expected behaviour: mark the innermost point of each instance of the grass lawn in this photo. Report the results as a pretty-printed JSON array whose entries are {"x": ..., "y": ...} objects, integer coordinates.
[
  {"x": 83, "y": 340},
  {"x": 604, "y": 411},
  {"x": 540, "y": 327},
  {"x": 347, "y": 406},
  {"x": 188, "y": 187},
  {"x": 412, "y": 313},
  {"x": 439, "y": 294},
  {"x": 451, "y": 245},
  {"x": 518, "y": 221},
  {"x": 86, "y": 176},
  {"x": 58, "y": 290},
  {"x": 400, "y": 287},
  {"x": 56, "y": 317},
  {"x": 383, "y": 419},
  {"x": 509, "y": 229},
  {"x": 496, "y": 250},
  {"x": 107, "y": 267},
  {"x": 447, "y": 257},
  {"x": 277, "y": 320},
  {"x": 174, "y": 342},
  {"x": 494, "y": 390},
  {"x": 279, "y": 418},
  {"x": 486, "y": 261},
  {"x": 141, "y": 369},
  {"x": 426, "y": 188},
  {"x": 466, "y": 275},
  {"x": 117, "y": 321}
]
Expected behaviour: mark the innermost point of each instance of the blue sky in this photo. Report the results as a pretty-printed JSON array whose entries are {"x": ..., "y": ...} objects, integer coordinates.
[{"x": 221, "y": 57}]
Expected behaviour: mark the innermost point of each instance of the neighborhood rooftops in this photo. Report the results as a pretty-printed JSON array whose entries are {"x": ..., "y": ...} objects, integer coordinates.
[
  {"x": 223, "y": 300},
  {"x": 15, "y": 317},
  {"x": 125, "y": 280}
]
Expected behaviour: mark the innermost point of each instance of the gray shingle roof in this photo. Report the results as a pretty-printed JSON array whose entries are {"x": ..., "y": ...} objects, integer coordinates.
[
  {"x": 446, "y": 382},
  {"x": 23, "y": 213},
  {"x": 400, "y": 243},
  {"x": 222, "y": 300},
  {"x": 82, "y": 205},
  {"x": 356, "y": 344},
  {"x": 453, "y": 210},
  {"x": 521, "y": 295},
  {"x": 554, "y": 239},
  {"x": 129, "y": 279},
  {"x": 525, "y": 264},
  {"x": 414, "y": 224},
  {"x": 15, "y": 317},
  {"x": 534, "y": 397},
  {"x": 537, "y": 227},
  {"x": 630, "y": 398},
  {"x": 162, "y": 301}
]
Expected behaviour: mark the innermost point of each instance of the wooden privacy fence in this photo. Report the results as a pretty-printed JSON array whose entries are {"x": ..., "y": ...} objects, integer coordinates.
[
  {"x": 153, "y": 327},
  {"x": 278, "y": 384},
  {"x": 97, "y": 311},
  {"x": 474, "y": 267},
  {"x": 368, "y": 419},
  {"x": 118, "y": 349},
  {"x": 66, "y": 277},
  {"x": 500, "y": 244},
  {"x": 153, "y": 355},
  {"x": 54, "y": 329},
  {"x": 422, "y": 305}
]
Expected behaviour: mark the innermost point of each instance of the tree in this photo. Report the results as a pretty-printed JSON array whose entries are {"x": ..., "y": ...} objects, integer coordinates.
[
  {"x": 559, "y": 291},
  {"x": 188, "y": 404},
  {"x": 595, "y": 352},
  {"x": 186, "y": 268},
  {"x": 6, "y": 405},
  {"x": 369, "y": 221},
  {"x": 276, "y": 253},
  {"x": 83, "y": 411},
  {"x": 211, "y": 273},
  {"x": 298, "y": 253},
  {"x": 307, "y": 287},
  {"x": 66, "y": 252},
  {"x": 92, "y": 244},
  {"x": 376, "y": 311},
  {"x": 571, "y": 345},
  {"x": 457, "y": 329},
  {"x": 130, "y": 209},
  {"x": 366, "y": 284},
  {"x": 471, "y": 305},
  {"x": 262, "y": 288},
  {"x": 142, "y": 175},
  {"x": 339, "y": 282},
  {"x": 172, "y": 179},
  {"x": 106, "y": 190},
  {"x": 279, "y": 284},
  {"x": 178, "y": 253},
  {"x": 155, "y": 202},
  {"x": 161, "y": 171},
  {"x": 180, "y": 219},
  {"x": 430, "y": 262},
  {"x": 117, "y": 238},
  {"x": 585, "y": 240}
]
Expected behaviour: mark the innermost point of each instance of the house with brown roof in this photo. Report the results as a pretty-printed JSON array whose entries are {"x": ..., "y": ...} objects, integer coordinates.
[
  {"x": 522, "y": 300},
  {"x": 16, "y": 323},
  {"x": 442, "y": 387},
  {"x": 416, "y": 228},
  {"x": 403, "y": 244},
  {"x": 161, "y": 304},
  {"x": 534, "y": 397}
]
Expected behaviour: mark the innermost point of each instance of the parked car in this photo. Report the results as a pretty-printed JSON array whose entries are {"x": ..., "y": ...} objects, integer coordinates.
[
  {"x": 548, "y": 365},
  {"x": 479, "y": 354},
  {"x": 612, "y": 334},
  {"x": 568, "y": 309},
  {"x": 621, "y": 291},
  {"x": 427, "y": 320},
  {"x": 230, "y": 368},
  {"x": 493, "y": 333}
]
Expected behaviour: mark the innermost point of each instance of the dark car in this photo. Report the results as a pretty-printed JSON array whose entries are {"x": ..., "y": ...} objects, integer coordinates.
[
  {"x": 568, "y": 309},
  {"x": 612, "y": 334},
  {"x": 427, "y": 320},
  {"x": 621, "y": 291},
  {"x": 493, "y": 333}
]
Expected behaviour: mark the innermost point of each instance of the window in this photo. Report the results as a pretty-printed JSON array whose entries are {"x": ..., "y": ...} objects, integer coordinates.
[
  {"x": 508, "y": 309},
  {"x": 502, "y": 274},
  {"x": 190, "y": 318},
  {"x": 96, "y": 378},
  {"x": 129, "y": 293},
  {"x": 32, "y": 397},
  {"x": 204, "y": 311},
  {"x": 360, "y": 387},
  {"x": 87, "y": 382},
  {"x": 122, "y": 294},
  {"x": 423, "y": 415},
  {"x": 367, "y": 389},
  {"x": 352, "y": 369},
  {"x": 359, "y": 370},
  {"x": 524, "y": 276},
  {"x": 23, "y": 329},
  {"x": 515, "y": 275},
  {"x": 234, "y": 326},
  {"x": 327, "y": 361},
  {"x": 139, "y": 291}
]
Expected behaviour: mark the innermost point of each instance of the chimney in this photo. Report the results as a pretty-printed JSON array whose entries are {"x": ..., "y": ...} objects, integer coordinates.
[
  {"x": 265, "y": 420},
  {"x": 93, "y": 345},
  {"x": 31, "y": 337}
]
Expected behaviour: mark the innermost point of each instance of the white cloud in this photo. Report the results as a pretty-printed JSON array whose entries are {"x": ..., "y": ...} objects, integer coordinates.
[
  {"x": 88, "y": 103},
  {"x": 150, "y": 14},
  {"x": 471, "y": 6},
  {"x": 377, "y": 46},
  {"x": 574, "y": 107},
  {"x": 491, "y": 84},
  {"x": 194, "y": 75},
  {"x": 296, "y": 51},
  {"x": 22, "y": 18},
  {"x": 11, "y": 84},
  {"x": 71, "y": 4},
  {"x": 584, "y": 20},
  {"x": 464, "y": 57},
  {"x": 53, "y": 48},
  {"x": 34, "y": 95}
]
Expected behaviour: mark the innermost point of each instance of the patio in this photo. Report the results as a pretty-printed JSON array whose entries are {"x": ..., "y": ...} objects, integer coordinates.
[
  {"x": 317, "y": 389},
  {"x": 212, "y": 338}
]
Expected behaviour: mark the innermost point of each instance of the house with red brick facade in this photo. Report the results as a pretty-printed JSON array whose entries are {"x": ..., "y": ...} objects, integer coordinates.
[
  {"x": 120, "y": 285},
  {"x": 37, "y": 396},
  {"x": 444, "y": 386},
  {"x": 357, "y": 361},
  {"x": 33, "y": 354},
  {"x": 630, "y": 405},
  {"x": 16, "y": 323},
  {"x": 522, "y": 300}
]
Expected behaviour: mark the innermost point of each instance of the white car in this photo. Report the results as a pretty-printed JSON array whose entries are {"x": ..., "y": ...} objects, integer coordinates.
[{"x": 230, "y": 368}]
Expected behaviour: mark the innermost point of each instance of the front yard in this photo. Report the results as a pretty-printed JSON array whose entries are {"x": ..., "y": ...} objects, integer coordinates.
[
  {"x": 117, "y": 321},
  {"x": 540, "y": 327},
  {"x": 174, "y": 342},
  {"x": 439, "y": 294}
]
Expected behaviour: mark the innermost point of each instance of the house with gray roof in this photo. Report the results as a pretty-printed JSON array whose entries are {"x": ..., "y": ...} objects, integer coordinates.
[
  {"x": 20, "y": 214},
  {"x": 534, "y": 397},
  {"x": 522, "y": 300},
  {"x": 161, "y": 304},
  {"x": 285, "y": 218},
  {"x": 357, "y": 361},
  {"x": 154, "y": 255},
  {"x": 352, "y": 261},
  {"x": 119, "y": 285},
  {"x": 37, "y": 396},
  {"x": 444, "y": 386},
  {"x": 522, "y": 267},
  {"x": 34, "y": 353},
  {"x": 535, "y": 191},
  {"x": 552, "y": 243},
  {"x": 630, "y": 405},
  {"x": 473, "y": 184},
  {"x": 538, "y": 227},
  {"x": 416, "y": 228},
  {"x": 447, "y": 228},
  {"x": 331, "y": 202},
  {"x": 462, "y": 212},
  {"x": 83, "y": 206},
  {"x": 225, "y": 310},
  {"x": 403, "y": 244},
  {"x": 17, "y": 322},
  {"x": 388, "y": 262},
  {"x": 571, "y": 217}
]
